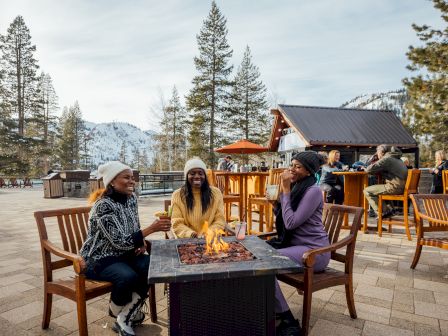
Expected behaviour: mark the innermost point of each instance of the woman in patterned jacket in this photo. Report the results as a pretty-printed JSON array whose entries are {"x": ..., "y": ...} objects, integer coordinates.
[{"x": 115, "y": 247}]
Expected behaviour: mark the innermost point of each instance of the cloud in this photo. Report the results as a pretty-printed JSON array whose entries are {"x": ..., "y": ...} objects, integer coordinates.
[{"x": 115, "y": 56}]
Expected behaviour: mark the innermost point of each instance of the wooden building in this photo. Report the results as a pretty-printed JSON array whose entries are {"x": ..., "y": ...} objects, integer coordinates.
[{"x": 354, "y": 132}]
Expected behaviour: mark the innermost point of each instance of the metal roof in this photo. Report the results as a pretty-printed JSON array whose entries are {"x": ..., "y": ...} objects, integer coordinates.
[{"x": 347, "y": 126}]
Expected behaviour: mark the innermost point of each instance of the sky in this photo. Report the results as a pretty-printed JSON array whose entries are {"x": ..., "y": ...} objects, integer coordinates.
[{"x": 118, "y": 58}]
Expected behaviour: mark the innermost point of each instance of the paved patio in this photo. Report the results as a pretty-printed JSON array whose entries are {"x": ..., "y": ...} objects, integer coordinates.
[{"x": 391, "y": 299}]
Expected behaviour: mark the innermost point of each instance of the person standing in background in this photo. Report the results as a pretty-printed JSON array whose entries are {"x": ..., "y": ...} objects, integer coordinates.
[{"x": 228, "y": 165}]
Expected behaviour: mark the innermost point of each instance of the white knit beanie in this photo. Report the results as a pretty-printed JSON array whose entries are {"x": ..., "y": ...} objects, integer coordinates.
[
  {"x": 109, "y": 170},
  {"x": 194, "y": 163}
]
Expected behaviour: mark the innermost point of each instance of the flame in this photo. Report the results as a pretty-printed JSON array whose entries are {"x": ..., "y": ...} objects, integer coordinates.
[{"x": 213, "y": 238}]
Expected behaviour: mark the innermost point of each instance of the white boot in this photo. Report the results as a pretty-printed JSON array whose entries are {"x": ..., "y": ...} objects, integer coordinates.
[
  {"x": 114, "y": 309},
  {"x": 123, "y": 324},
  {"x": 138, "y": 317}
]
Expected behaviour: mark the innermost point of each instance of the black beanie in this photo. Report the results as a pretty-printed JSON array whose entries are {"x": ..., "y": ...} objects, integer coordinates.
[{"x": 310, "y": 160}]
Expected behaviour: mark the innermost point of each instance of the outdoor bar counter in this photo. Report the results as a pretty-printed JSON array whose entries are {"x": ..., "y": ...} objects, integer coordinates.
[{"x": 233, "y": 298}]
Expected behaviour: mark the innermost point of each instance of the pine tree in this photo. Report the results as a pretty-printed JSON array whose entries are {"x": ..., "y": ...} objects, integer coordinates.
[
  {"x": 205, "y": 101},
  {"x": 427, "y": 107},
  {"x": 122, "y": 156},
  {"x": 71, "y": 136},
  {"x": 135, "y": 163},
  {"x": 20, "y": 70},
  {"x": 247, "y": 116},
  {"x": 173, "y": 125},
  {"x": 42, "y": 123}
]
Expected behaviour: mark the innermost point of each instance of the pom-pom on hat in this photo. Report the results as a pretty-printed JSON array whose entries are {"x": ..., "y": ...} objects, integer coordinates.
[
  {"x": 310, "y": 160},
  {"x": 109, "y": 170},
  {"x": 194, "y": 163}
]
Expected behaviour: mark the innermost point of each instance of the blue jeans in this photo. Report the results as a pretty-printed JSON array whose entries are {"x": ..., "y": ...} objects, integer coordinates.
[{"x": 127, "y": 273}]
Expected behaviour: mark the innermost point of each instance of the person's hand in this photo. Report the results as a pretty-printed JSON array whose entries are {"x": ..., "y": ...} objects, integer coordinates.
[
  {"x": 161, "y": 225},
  {"x": 142, "y": 249},
  {"x": 436, "y": 171},
  {"x": 285, "y": 180}
]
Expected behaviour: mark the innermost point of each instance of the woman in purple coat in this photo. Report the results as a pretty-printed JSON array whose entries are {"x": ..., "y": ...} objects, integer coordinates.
[{"x": 299, "y": 226}]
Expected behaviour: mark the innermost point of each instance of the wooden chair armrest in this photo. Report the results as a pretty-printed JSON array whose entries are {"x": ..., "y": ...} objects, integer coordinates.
[
  {"x": 78, "y": 262},
  {"x": 308, "y": 256},
  {"x": 432, "y": 219},
  {"x": 266, "y": 235}
]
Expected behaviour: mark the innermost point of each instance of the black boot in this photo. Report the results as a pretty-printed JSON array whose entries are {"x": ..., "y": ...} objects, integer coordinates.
[{"x": 287, "y": 325}]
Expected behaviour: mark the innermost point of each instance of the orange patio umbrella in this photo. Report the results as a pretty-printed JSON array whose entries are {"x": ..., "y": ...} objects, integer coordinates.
[{"x": 242, "y": 147}]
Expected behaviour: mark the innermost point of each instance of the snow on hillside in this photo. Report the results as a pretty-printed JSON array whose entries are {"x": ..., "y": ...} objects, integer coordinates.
[
  {"x": 106, "y": 141},
  {"x": 392, "y": 101}
]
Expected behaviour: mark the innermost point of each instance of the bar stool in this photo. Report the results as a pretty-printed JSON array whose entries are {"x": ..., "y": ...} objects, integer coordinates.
[{"x": 265, "y": 207}]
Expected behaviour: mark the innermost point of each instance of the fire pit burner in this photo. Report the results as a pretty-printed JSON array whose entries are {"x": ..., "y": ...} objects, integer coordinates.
[{"x": 195, "y": 253}]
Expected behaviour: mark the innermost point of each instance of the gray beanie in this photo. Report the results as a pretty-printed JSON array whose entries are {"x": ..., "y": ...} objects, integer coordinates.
[{"x": 310, "y": 160}]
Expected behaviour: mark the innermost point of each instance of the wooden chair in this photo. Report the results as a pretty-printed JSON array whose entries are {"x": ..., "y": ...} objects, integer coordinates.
[
  {"x": 222, "y": 182},
  {"x": 13, "y": 183},
  {"x": 308, "y": 281},
  {"x": 445, "y": 181},
  {"x": 411, "y": 187},
  {"x": 73, "y": 227},
  {"x": 432, "y": 209},
  {"x": 265, "y": 207},
  {"x": 27, "y": 182}
]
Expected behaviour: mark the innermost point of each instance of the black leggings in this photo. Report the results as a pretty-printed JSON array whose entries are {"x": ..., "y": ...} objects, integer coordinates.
[{"x": 335, "y": 193}]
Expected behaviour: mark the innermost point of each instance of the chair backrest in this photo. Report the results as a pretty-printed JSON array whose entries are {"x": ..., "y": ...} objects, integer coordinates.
[
  {"x": 434, "y": 206},
  {"x": 73, "y": 227},
  {"x": 412, "y": 181},
  {"x": 445, "y": 181},
  {"x": 211, "y": 177},
  {"x": 333, "y": 218},
  {"x": 274, "y": 175},
  {"x": 220, "y": 182}
]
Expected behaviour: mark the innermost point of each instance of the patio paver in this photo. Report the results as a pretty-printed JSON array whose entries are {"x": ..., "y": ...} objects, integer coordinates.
[{"x": 391, "y": 299}]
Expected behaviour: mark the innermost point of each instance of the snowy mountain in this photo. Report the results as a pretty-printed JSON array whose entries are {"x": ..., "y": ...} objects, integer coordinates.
[
  {"x": 107, "y": 140},
  {"x": 392, "y": 101}
]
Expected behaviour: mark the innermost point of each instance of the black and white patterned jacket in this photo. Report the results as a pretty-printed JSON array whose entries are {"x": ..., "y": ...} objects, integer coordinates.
[{"x": 114, "y": 228}]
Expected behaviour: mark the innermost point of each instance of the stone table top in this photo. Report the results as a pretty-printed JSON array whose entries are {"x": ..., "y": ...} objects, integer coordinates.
[{"x": 166, "y": 267}]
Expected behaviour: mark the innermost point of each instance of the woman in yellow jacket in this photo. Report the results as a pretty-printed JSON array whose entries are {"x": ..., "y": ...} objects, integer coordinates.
[{"x": 196, "y": 202}]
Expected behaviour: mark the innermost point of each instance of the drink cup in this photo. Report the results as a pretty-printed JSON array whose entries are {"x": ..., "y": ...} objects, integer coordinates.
[
  {"x": 240, "y": 230},
  {"x": 272, "y": 191}
]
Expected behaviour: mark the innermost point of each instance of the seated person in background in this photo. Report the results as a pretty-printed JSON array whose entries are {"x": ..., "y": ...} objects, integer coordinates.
[
  {"x": 392, "y": 170},
  {"x": 441, "y": 164},
  {"x": 358, "y": 166},
  {"x": 319, "y": 172},
  {"x": 406, "y": 162},
  {"x": 196, "y": 202},
  {"x": 299, "y": 226},
  {"x": 114, "y": 249},
  {"x": 332, "y": 184}
]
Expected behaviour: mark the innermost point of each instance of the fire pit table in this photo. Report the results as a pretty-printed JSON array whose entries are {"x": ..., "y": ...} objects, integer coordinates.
[{"x": 229, "y": 298}]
